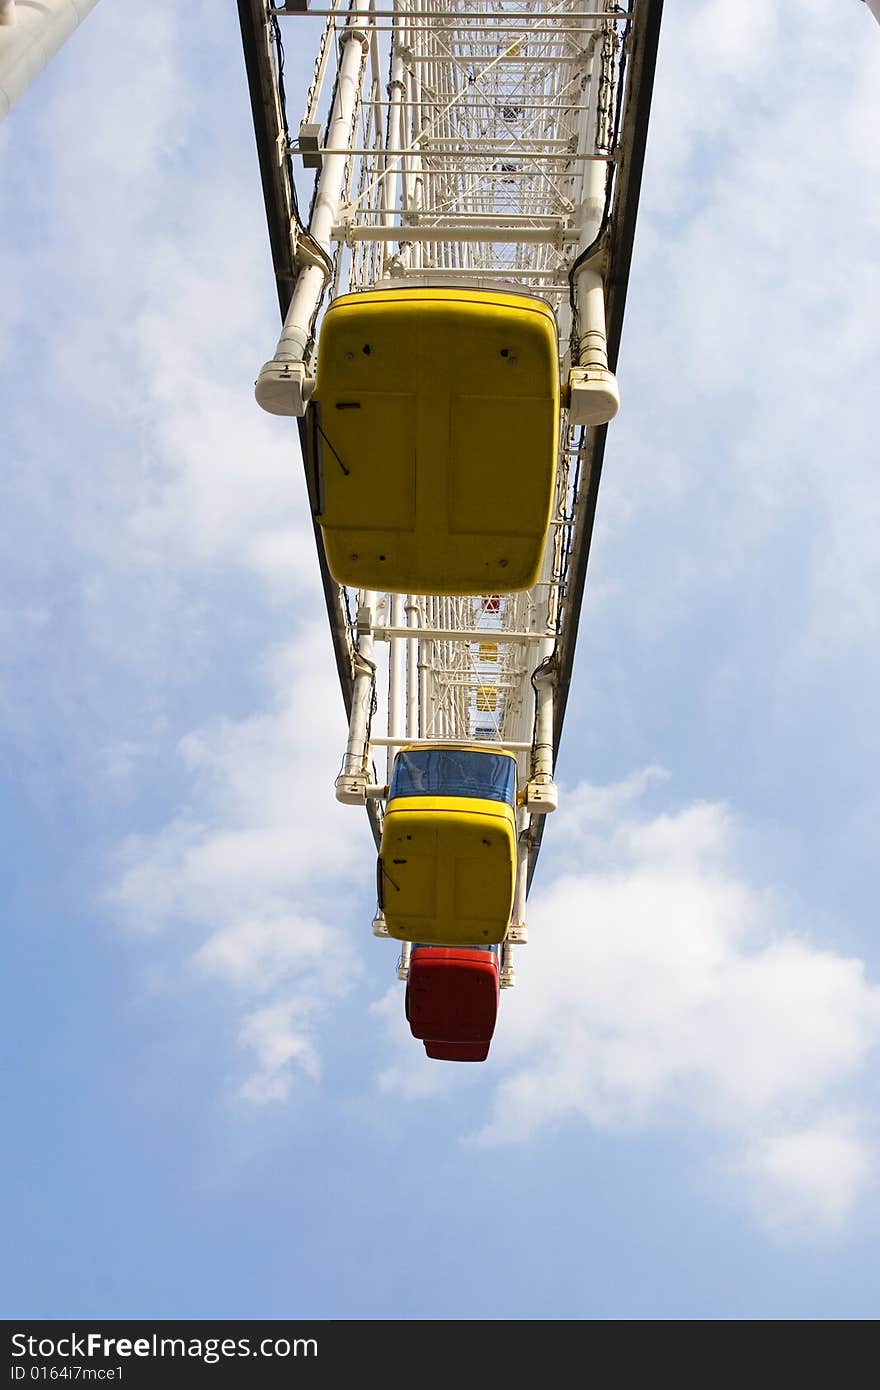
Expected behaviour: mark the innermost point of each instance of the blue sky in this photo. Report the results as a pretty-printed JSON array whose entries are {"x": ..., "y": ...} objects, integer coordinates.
[{"x": 214, "y": 1107}]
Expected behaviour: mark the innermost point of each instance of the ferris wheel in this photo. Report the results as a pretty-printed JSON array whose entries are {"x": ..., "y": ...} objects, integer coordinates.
[
  {"x": 452, "y": 288},
  {"x": 451, "y": 189}
]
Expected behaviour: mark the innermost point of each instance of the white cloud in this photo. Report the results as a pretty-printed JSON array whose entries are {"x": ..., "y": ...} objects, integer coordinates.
[
  {"x": 165, "y": 317},
  {"x": 660, "y": 981},
  {"x": 255, "y": 883},
  {"x": 257, "y": 954},
  {"x": 149, "y": 480},
  {"x": 660, "y": 987},
  {"x": 231, "y": 489},
  {"x": 282, "y": 1045},
  {"x": 410, "y": 1075},
  {"x": 750, "y": 355},
  {"x": 809, "y": 1176},
  {"x": 590, "y": 809}
]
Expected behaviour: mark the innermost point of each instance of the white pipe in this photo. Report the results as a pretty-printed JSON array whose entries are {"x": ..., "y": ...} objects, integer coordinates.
[
  {"x": 351, "y": 784},
  {"x": 423, "y": 690},
  {"x": 507, "y": 974},
  {"x": 30, "y": 35},
  {"x": 592, "y": 340},
  {"x": 412, "y": 672},
  {"x": 592, "y": 207},
  {"x": 412, "y": 164},
  {"x": 398, "y": 263},
  {"x": 518, "y": 916},
  {"x": 403, "y": 962},
  {"x": 396, "y": 686},
  {"x": 510, "y": 745},
  {"x": 391, "y": 181},
  {"x": 531, "y": 236},
  {"x": 423, "y": 676},
  {"x": 541, "y": 792},
  {"x": 542, "y": 757},
  {"x": 384, "y": 632},
  {"x": 279, "y": 389},
  {"x": 495, "y": 15}
]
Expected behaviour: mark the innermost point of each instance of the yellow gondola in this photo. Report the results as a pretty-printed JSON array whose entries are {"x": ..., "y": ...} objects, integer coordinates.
[
  {"x": 447, "y": 859},
  {"x": 432, "y": 439}
]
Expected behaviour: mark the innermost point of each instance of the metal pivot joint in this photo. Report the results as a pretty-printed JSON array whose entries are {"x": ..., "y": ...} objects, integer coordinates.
[
  {"x": 542, "y": 795},
  {"x": 518, "y": 932},
  {"x": 285, "y": 383}
]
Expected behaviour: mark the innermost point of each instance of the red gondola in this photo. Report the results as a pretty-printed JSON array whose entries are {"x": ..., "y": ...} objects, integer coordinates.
[
  {"x": 452, "y": 1001},
  {"x": 457, "y": 1052}
]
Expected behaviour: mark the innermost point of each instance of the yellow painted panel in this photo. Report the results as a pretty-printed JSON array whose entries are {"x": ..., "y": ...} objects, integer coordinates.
[
  {"x": 439, "y": 414},
  {"x": 353, "y": 479},
  {"x": 479, "y": 879},
  {"x": 448, "y": 869},
  {"x": 495, "y": 489}
]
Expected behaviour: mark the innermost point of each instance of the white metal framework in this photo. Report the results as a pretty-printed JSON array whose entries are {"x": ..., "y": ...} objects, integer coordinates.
[{"x": 458, "y": 141}]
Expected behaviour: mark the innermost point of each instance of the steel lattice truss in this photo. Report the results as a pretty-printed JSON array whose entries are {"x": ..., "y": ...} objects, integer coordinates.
[
  {"x": 493, "y": 113},
  {"x": 492, "y": 144}
]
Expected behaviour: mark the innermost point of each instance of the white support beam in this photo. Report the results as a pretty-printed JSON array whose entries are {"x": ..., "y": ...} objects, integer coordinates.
[
  {"x": 350, "y": 232},
  {"x": 413, "y": 701},
  {"x": 594, "y": 397},
  {"x": 463, "y": 21},
  {"x": 396, "y": 683},
  {"x": 384, "y": 633},
  {"x": 404, "y": 960},
  {"x": 541, "y": 792},
  {"x": 507, "y": 973},
  {"x": 284, "y": 384},
  {"x": 482, "y": 149},
  {"x": 353, "y": 780},
  {"x": 511, "y": 746},
  {"x": 391, "y": 176},
  {"x": 518, "y": 932}
]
